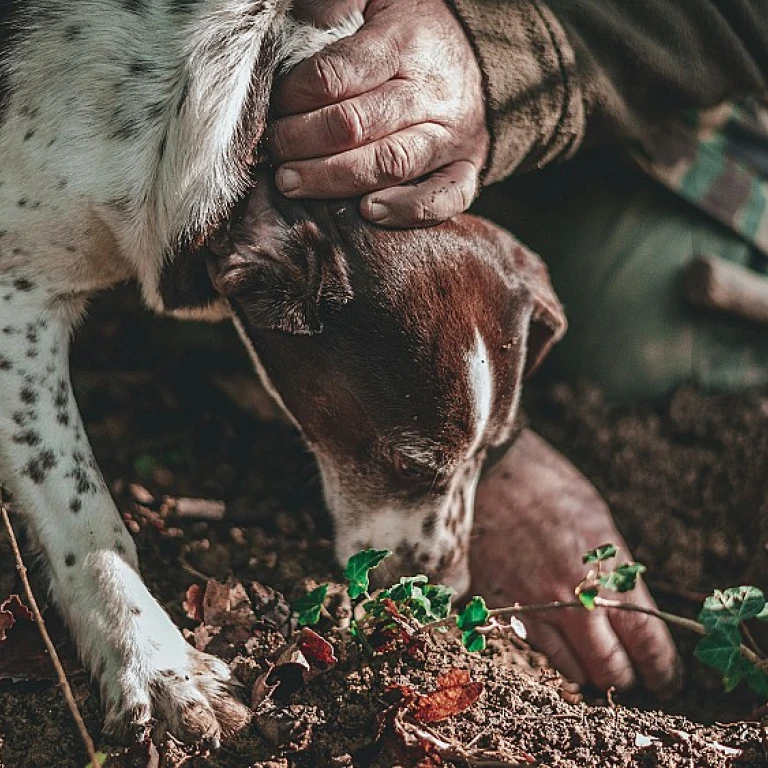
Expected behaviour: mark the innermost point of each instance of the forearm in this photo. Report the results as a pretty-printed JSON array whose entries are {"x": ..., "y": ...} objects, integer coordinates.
[{"x": 575, "y": 71}]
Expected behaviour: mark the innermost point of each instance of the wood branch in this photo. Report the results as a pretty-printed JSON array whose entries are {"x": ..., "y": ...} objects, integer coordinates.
[
  {"x": 62, "y": 675},
  {"x": 714, "y": 283}
]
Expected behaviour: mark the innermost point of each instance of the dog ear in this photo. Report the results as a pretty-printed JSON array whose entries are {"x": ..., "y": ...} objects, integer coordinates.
[
  {"x": 522, "y": 265},
  {"x": 279, "y": 276},
  {"x": 548, "y": 323}
]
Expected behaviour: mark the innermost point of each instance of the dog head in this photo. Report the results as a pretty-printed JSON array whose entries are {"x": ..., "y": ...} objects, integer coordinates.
[{"x": 399, "y": 355}]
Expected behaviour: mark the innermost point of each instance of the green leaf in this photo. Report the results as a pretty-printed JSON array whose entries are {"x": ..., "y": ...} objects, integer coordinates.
[
  {"x": 101, "y": 758},
  {"x": 473, "y": 641},
  {"x": 757, "y": 679},
  {"x": 587, "y": 597},
  {"x": 720, "y": 650},
  {"x": 405, "y": 589},
  {"x": 623, "y": 578},
  {"x": 475, "y": 614},
  {"x": 439, "y": 597},
  {"x": 599, "y": 554},
  {"x": 729, "y": 607},
  {"x": 309, "y": 607},
  {"x": 763, "y": 615},
  {"x": 358, "y": 567}
]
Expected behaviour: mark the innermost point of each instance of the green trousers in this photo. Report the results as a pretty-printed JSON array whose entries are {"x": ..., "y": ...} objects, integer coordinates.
[{"x": 614, "y": 242}]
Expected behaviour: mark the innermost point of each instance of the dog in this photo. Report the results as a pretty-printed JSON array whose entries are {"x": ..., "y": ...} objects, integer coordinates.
[{"x": 129, "y": 132}]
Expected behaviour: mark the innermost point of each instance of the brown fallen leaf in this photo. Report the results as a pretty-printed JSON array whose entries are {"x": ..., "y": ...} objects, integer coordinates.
[
  {"x": 193, "y": 603},
  {"x": 226, "y": 604},
  {"x": 296, "y": 664},
  {"x": 455, "y": 693},
  {"x": 11, "y": 611}
]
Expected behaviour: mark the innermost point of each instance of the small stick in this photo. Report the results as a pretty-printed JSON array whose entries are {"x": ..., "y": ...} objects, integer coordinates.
[
  {"x": 63, "y": 681},
  {"x": 712, "y": 282}
]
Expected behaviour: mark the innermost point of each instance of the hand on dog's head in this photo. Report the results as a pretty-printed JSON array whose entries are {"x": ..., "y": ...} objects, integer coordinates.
[{"x": 398, "y": 353}]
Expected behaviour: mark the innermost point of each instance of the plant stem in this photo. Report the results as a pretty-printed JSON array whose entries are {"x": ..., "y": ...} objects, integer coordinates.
[
  {"x": 63, "y": 681},
  {"x": 601, "y": 602}
]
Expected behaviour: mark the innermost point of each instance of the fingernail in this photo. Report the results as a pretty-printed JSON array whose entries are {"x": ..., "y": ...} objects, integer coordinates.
[
  {"x": 287, "y": 180},
  {"x": 377, "y": 211}
]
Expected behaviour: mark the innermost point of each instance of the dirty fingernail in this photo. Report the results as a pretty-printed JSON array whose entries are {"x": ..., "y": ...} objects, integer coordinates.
[
  {"x": 287, "y": 180},
  {"x": 377, "y": 211}
]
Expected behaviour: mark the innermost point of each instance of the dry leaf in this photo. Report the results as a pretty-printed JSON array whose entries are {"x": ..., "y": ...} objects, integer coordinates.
[
  {"x": 11, "y": 611},
  {"x": 193, "y": 604},
  {"x": 455, "y": 693}
]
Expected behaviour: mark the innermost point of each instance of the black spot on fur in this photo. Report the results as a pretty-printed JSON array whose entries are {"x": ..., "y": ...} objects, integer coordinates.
[
  {"x": 31, "y": 335},
  {"x": 61, "y": 398},
  {"x": 75, "y": 505},
  {"x": 28, "y": 395},
  {"x": 428, "y": 526},
  {"x": 135, "y": 610},
  {"x": 5, "y": 363},
  {"x": 23, "y": 202},
  {"x": 136, "y": 6},
  {"x": 22, "y": 284},
  {"x": 119, "y": 548},
  {"x": 70, "y": 560},
  {"x": 29, "y": 134},
  {"x": 62, "y": 417},
  {"x": 83, "y": 483},
  {"x": 72, "y": 32},
  {"x": 183, "y": 6},
  {"x": 37, "y": 469},
  {"x": 27, "y": 437},
  {"x": 9, "y": 330},
  {"x": 139, "y": 67}
]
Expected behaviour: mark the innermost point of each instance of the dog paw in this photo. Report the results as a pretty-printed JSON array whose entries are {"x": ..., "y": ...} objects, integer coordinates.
[{"x": 193, "y": 701}]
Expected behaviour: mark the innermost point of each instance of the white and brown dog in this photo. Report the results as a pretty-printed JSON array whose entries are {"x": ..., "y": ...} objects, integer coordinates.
[{"x": 127, "y": 137}]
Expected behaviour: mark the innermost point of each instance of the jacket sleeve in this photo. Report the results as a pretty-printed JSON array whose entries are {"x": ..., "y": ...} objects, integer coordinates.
[{"x": 567, "y": 72}]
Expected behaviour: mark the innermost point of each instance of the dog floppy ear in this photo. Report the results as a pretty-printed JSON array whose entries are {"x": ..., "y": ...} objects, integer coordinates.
[
  {"x": 522, "y": 265},
  {"x": 280, "y": 276}
]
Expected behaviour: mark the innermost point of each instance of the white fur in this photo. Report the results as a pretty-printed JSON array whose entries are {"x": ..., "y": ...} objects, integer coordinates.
[{"x": 117, "y": 142}]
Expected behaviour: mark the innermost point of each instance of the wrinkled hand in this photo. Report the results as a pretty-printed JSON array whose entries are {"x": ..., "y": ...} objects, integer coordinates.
[
  {"x": 394, "y": 113},
  {"x": 536, "y": 515}
]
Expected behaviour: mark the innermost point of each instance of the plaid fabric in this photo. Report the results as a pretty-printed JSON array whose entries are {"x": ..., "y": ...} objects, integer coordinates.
[{"x": 718, "y": 160}]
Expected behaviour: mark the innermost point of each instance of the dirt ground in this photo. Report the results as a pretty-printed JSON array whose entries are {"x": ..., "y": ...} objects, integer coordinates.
[{"x": 170, "y": 409}]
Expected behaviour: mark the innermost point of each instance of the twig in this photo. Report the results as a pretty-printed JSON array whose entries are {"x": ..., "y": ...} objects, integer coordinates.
[{"x": 63, "y": 681}]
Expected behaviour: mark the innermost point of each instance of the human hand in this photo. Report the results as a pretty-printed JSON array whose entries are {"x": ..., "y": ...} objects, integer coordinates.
[
  {"x": 535, "y": 516},
  {"x": 394, "y": 113}
]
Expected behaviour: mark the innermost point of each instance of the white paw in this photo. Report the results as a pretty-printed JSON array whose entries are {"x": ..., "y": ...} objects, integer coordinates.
[{"x": 193, "y": 700}]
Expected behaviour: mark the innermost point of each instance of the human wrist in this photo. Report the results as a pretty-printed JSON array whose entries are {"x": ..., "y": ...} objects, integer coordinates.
[{"x": 534, "y": 105}]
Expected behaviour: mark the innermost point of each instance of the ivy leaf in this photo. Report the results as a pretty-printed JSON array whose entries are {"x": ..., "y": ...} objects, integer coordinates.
[
  {"x": 623, "y": 578},
  {"x": 472, "y": 640},
  {"x": 587, "y": 597},
  {"x": 439, "y": 597},
  {"x": 100, "y": 760},
  {"x": 405, "y": 589},
  {"x": 475, "y": 614},
  {"x": 720, "y": 650},
  {"x": 729, "y": 607},
  {"x": 599, "y": 554},
  {"x": 757, "y": 679},
  {"x": 358, "y": 567},
  {"x": 309, "y": 607}
]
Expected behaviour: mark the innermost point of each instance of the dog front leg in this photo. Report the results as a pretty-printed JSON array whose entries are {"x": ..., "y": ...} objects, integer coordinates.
[{"x": 145, "y": 668}]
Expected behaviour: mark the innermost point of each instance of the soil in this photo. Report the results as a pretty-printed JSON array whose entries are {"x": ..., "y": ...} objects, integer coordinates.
[{"x": 173, "y": 412}]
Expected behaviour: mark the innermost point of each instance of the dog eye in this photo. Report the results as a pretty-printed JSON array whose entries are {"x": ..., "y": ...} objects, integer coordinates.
[{"x": 410, "y": 471}]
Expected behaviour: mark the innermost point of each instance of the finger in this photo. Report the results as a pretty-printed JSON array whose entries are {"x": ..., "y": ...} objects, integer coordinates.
[
  {"x": 649, "y": 644},
  {"x": 350, "y": 123},
  {"x": 395, "y": 159},
  {"x": 598, "y": 649},
  {"x": 547, "y": 638},
  {"x": 346, "y": 68},
  {"x": 443, "y": 194}
]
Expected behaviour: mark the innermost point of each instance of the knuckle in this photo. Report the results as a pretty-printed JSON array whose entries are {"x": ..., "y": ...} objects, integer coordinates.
[
  {"x": 347, "y": 124},
  {"x": 393, "y": 161},
  {"x": 329, "y": 72}
]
